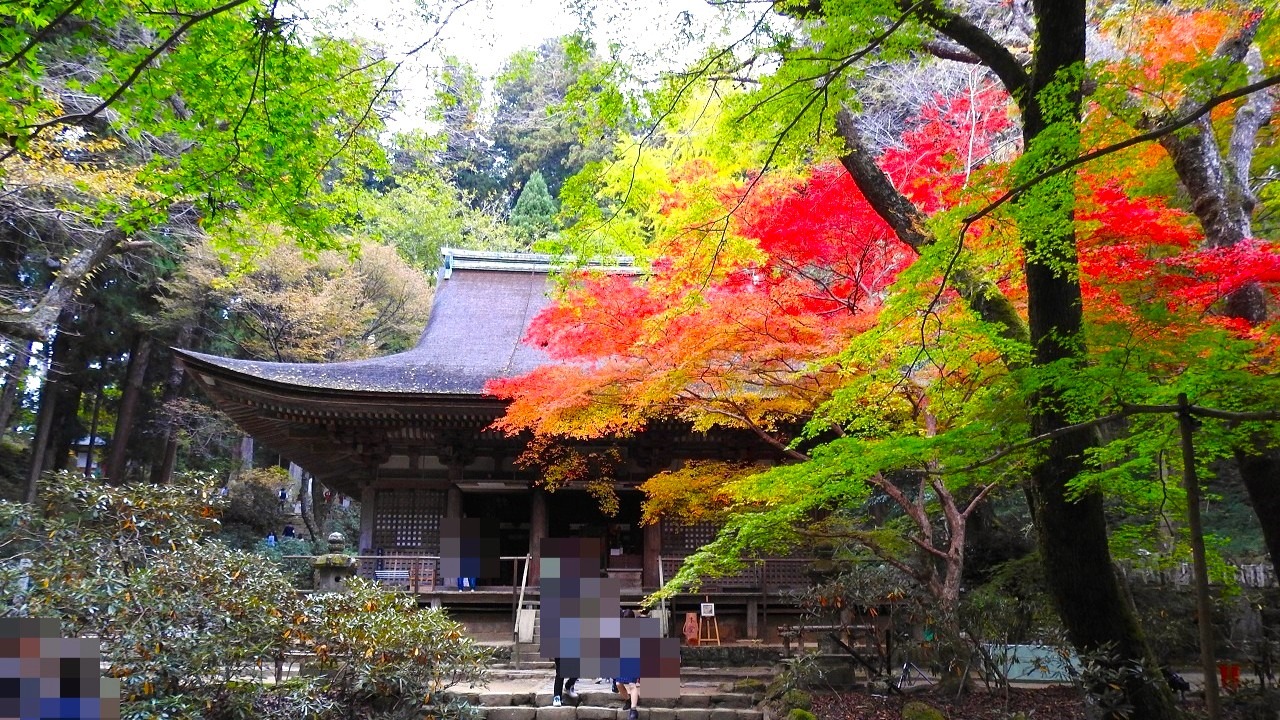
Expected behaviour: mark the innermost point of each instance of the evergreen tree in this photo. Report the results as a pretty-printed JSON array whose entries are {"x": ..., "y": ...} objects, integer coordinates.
[
  {"x": 535, "y": 126},
  {"x": 534, "y": 216}
]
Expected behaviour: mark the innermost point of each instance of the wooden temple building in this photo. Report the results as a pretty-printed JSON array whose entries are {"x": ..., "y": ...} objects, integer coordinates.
[{"x": 409, "y": 435}]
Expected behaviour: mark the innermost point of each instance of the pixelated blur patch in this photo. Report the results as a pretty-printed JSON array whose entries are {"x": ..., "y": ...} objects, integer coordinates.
[
  {"x": 581, "y": 623},
  {"x": 45, "y": 675},
  {"x": 469, "y": 548}
]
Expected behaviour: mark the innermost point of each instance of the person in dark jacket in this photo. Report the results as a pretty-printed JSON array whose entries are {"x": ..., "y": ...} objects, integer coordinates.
[{"x": 561, "y": 686}]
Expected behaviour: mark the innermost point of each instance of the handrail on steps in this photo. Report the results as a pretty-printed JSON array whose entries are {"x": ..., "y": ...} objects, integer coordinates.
[{"x": 515, "y": 632}]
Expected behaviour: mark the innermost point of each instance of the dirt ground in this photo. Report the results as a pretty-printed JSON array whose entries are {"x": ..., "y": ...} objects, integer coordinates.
[{"x": 1057, "y": 703}]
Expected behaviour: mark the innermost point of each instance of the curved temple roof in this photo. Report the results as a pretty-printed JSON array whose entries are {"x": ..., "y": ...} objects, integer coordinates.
[
  {"x": 343, "y": 421},
  {"x": 477, "y": 321},
  {"x": 483, "y": 306}
]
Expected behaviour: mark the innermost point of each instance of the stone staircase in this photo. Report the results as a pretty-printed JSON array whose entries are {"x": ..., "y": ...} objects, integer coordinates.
[
  {"x": 610, "y": 706},
  {"x": 705, "y": 694},
  {"x": 525, "y": 655}
]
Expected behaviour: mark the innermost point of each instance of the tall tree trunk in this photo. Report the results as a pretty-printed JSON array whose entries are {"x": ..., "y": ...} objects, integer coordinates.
[
  {"x": 69, "y": 365},
  {"x": 48, "y": 399},
  {"x": 162, "y": 471},
  {"x": 1223, "y": 202},
  {"x": 1260, "y": 473},
  {"x": 1072, "y": 531},
  {"x": 139, "y": 357},
  {"x": 303, "y": 478},
  {"x": 66, "y": 427},
  {"x": 14, "y": 378},
  {"x": 92, "y": 443}
]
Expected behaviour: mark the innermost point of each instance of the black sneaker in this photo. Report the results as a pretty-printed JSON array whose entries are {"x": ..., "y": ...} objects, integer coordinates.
[{"x": 633, "y": 715}]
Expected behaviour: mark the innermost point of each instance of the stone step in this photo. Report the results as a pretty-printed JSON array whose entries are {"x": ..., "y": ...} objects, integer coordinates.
[
  {"x": 533, "y": 663},
  {"x": 614, "y": 701},
  {"x": 524, "y": 712}
]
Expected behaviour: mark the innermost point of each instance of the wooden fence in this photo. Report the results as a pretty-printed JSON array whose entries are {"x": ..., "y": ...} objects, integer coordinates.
[{"x": 1255, "y": 576}]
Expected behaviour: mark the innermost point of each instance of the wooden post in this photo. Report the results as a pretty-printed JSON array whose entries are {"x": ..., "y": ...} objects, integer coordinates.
[
  {"x": 651, "y": 551},
  {"x": 453, "y": 498},
  {"x": 1204, "y": 610},
  {"x": 537, "y": 531},
  {"x": 368, "y": 510}
]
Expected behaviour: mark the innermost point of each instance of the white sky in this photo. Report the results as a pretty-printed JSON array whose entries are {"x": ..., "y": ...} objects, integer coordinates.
[{"x": 485, "y": 33}]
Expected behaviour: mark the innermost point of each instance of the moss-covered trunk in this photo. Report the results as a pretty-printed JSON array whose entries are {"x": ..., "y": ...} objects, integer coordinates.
[{"x": 1072, "y": 532}]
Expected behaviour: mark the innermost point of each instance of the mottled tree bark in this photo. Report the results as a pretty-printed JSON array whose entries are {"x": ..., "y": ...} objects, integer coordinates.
[
  {"x": 1218, "y": 184},
  {"x": 139, "y": 357},
  {"x": 1072, "y": 532},
  {"x": 162, "y": 471}
]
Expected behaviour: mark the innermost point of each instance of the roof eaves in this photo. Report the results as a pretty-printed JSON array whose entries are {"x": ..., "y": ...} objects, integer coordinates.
[{"x": 461, "y": 259}]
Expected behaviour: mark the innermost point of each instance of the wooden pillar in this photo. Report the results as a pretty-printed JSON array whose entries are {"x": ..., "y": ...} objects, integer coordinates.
[
  {"x": 537, "y": 531},
  {"x": 753, "y": 611},
  {"x": 650, "y": 555},
  {"x": 367, "y": 510},
  {"x": 453, "y": 499}
]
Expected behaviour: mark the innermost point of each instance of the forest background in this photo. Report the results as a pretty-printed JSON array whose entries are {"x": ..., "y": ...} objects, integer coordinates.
[{"x": 870, "y": 237}]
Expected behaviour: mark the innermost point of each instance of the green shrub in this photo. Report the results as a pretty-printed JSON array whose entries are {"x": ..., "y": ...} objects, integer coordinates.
[
  {"x": 795, "y": 698},
  {"x": 798, "y": 714},
  {"x": 184, "y": 620},
  {"x": 392, "y": 655},
  {"x": 252, "y": 508},
  {"x": 284, "y": 554},
  {"x": 916, "y": 710}
]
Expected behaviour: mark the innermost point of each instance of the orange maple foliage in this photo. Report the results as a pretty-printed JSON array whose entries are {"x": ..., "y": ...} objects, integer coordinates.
[
  {"x": 743, "y": 323},
  {"x": 739, "y": 323}
]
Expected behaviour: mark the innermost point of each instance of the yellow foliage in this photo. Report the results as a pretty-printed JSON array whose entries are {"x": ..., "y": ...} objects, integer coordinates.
[{"x": 697, "y": 492}]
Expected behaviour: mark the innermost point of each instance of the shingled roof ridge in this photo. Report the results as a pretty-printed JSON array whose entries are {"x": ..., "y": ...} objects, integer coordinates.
[{"x": 495, "y": 260}]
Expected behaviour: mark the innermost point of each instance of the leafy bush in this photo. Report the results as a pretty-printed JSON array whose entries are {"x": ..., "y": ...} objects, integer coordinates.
[
  {"x": 1105, "y": 676},
  {"x": 177, "y": 613},
  {"x": 797, "y": 699},
  {"x": 345, "y": 520},
  {"x": 915, "y": 710},
  {"x": 187, "y": 623},
  {"x": 384, "y": 652},
  {"x": 284, "y": 555},
  {"x": 253, "y": 509}
]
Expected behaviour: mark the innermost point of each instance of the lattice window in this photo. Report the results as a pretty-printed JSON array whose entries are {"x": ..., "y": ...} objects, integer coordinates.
[
  {"x": 408, "y": 518},
  {"x": 681, "y": 540},
  {"x": 788, "y": 573}
]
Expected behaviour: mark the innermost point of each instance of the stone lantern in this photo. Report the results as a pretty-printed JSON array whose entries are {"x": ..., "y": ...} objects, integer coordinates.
[{"x": 328, "y": 571}]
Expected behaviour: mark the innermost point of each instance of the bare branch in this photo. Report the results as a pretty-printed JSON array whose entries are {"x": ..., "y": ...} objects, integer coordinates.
[{"x": 992, "y": 54}]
